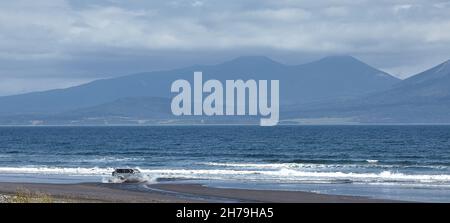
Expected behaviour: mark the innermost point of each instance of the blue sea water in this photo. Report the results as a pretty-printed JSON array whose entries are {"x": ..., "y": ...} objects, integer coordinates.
[{"x": 394, "y": 162}]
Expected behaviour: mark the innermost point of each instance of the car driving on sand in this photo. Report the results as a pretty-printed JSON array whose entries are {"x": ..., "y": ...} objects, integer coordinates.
[{"x": 128, "y": 175}]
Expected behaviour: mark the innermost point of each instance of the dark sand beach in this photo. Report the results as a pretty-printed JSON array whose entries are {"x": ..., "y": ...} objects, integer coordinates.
[{"x": 172, "y": 193}]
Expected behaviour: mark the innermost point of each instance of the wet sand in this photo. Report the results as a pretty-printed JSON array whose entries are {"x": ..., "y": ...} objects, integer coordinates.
[{"x": 171, "y": 193}]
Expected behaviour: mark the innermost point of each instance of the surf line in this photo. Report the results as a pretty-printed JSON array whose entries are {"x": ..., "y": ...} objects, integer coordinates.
[{"x": 235, "y": 98}]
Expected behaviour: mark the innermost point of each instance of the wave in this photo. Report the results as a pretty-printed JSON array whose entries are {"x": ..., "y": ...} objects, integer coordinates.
[
  {"x": 281, "y": 173},
  {"x": 109, "y": 159},
  {"x": 77, "y": 171},
  {"x": 320, "y": 167},
  {"x": 289, "y": 175},
  {"x": 398, "y": 161}
]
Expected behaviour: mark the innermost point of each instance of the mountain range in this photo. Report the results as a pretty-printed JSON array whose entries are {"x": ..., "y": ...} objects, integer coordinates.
[
  {"x": 332, "y": 88},
  {"x": 423, "y": 98}
]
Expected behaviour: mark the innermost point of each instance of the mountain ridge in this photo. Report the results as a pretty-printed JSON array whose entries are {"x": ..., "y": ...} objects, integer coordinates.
[
  {"x": 299, "y": 83},
  {"x": 422, "y": 98}
]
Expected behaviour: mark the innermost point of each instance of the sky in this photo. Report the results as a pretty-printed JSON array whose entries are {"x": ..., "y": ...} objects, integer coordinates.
[{"x": 49, "y": 44}]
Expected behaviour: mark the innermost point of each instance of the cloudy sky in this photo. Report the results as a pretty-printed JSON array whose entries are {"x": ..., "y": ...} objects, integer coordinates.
[{"x": 58, "y": 43}]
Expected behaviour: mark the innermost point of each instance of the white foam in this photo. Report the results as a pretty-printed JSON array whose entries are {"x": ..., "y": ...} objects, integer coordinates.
[
  {"x": 137, "y": 179},
  {"x": 81, "y": 171},
  {"x": 289, "y": 175},
  {"x": 317, "y": 166},
  {"x": 282, "y": 165},
  {"x": 110, "y": 159},
  {"x": 251, "y": 165},
  {"x": 266, "y": 172}
]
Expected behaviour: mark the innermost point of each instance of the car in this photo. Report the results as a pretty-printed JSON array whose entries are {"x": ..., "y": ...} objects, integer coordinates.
[{"x": 128, "y": 175}]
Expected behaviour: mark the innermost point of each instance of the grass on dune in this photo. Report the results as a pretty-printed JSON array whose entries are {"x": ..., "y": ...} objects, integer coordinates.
[{"x": 23, "y": 195}]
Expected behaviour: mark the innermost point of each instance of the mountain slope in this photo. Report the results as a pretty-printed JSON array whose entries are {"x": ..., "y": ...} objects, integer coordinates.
[
  {"x": 425, "y": 87},
  {"x": 138, "y": 107},
  {"x": 337, "y": 77},
  {"x": 422, "y": 98},
  {"x": 329, "y": 78}
]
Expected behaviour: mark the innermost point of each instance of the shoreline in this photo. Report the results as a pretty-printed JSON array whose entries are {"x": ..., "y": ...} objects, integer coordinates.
[{"x": 170, "y": 193}]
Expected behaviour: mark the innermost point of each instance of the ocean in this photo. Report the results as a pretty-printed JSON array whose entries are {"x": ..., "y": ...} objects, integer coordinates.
[{"x": 409, "y": 163}]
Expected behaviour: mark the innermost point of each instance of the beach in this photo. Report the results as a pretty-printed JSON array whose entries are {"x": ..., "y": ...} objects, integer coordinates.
[{"x": 168, "y": 193}]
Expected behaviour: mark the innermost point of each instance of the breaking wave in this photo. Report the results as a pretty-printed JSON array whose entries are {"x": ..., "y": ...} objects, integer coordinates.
[
  {"x": 110, "y": 159},
  {"x": 74, "y": 171},
  {"x": 318, "y": 166},
  {"x": 280, "y": 173}
]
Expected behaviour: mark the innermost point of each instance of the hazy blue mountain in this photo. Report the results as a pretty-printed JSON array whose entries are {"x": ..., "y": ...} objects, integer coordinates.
[
  {"x": 422, "y": 98},
  {"x": 329, "y": 78},
  {"x": 137, "y": 107},
  {"x": 338, "y": 77},
  {"x": 138, "y": 111},
  {"x": 133, "y": 110}
]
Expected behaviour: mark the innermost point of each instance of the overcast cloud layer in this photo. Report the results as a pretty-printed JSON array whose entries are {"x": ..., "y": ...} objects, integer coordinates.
[{"x": 57, "y": 43}]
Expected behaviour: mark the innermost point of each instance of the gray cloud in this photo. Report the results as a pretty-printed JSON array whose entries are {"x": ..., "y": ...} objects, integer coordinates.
[{"x": 80, "y": 40}]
